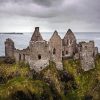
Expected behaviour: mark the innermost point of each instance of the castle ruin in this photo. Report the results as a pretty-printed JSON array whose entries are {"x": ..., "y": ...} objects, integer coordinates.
[{"x": 40, "y": 52}]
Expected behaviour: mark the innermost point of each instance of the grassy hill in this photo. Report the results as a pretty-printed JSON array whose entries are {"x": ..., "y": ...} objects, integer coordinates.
[{"x": 17, "y": 82}]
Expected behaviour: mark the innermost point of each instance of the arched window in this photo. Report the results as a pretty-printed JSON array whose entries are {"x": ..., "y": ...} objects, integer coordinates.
[
  {"x": 63, "y": 53},
  {"x": 66, "y": 52},
  {"x": 19, "y": 57},
  {"x": 67, "y": 42},
  {"x": 23, "y": 57},
  {"x": 39, "y": 56},
  {"x": 85, "y": 47},
  {"x": 54, "y": 51}
]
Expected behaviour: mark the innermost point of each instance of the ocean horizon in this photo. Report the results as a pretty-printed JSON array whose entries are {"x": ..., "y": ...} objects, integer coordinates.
[{"x": 22, "y": 40}]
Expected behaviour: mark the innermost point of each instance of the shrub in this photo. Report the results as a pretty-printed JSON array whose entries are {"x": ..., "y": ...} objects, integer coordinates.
[{"x": 9, "y": 60}]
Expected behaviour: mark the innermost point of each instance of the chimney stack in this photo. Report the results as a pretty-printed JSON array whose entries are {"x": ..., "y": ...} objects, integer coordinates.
[{"x": 37, "y": 29}]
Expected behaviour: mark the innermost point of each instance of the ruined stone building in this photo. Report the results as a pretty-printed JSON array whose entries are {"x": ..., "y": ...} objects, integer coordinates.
[
  {"x": 69, "y": 44},
  {"x": 40, "y": 52},
  {"x": 87, "y": 54}
]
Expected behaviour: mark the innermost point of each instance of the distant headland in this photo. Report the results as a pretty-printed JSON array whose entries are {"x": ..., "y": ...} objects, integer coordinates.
[{"x": 11, "y": 33}]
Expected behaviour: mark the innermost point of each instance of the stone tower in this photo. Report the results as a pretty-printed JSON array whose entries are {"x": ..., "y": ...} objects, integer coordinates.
[
  {"x": 9, "y": 48},
  {"x": 87, "y": 55},
  {"x": 69, "y": 44},
  {"x": 39, "y": 51},
  {"x": 55, "y": 48}
]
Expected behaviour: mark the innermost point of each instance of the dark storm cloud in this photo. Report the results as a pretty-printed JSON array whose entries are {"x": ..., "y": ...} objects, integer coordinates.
[
  {"x": 29, "y": 8},
  {"x": 48, "y": 2},
  {"x": 82, "y": 11},
  {"x": 39, "y": 2}
]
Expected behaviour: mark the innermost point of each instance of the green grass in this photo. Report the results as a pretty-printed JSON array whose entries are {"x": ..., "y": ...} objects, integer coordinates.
[
  {"x": 86, "y": 81},
  {"x": 24, "y": 83},
  {"x": 7, "y": 70},
  {"x": 50, "y": 73},
  {"x": 36, "y": 87}
]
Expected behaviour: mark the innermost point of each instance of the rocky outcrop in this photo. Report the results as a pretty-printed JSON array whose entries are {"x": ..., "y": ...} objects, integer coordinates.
[{"x": 38, "y": 65}]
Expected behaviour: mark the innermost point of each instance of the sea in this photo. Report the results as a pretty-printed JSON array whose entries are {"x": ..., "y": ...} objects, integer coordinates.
[{"x": 22, "y": 40}]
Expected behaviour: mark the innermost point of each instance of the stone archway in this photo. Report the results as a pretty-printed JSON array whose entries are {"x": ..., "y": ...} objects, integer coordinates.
[{"x": 54, "y": 51}]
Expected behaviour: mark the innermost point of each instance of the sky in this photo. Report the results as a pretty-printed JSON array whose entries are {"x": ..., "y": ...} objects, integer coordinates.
[{"x": 49, "y": 15}]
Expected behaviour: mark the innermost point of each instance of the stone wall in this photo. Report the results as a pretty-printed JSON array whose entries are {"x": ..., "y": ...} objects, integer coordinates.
[
  {"x": 36, "y": 35},
  {"x": 9, "y": 48},
  {"x": 39, "y": 51},
  {"x": 55, "y": 48},
  {"x": 69, "y": 44},
  {"x": 22, "y": 55},
  {"x": 87, "y": 55},
  {"x": 39, "y": 55},
  {"x": 96, "y": 51}
]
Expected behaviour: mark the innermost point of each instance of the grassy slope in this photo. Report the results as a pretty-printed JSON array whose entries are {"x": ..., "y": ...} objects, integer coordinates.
[
  {"x": 51, "y": 74},
  {"x": 21, "y": 82},
  {"x": 88, "y": 83},
  {"x": 28, "y": 86},
  {"x": 10, "y": 69}
]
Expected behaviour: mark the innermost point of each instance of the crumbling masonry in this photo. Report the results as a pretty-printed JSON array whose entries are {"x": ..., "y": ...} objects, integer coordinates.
[{"x": 40, "y": 52}]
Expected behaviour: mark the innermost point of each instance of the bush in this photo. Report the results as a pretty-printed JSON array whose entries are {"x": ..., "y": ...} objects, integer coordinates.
[
  {"x": 20, "y": 95},
  {"x": 88, "y": 97},
  {"x": 9, "y": 60},
  {"x": 23, "y": 64},
  {"x": 65, "y": 76}
]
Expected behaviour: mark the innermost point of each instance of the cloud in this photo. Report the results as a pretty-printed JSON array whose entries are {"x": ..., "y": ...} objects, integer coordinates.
[
  {"x": 57, "y": 13},
  {"x": 27, "y": 9},
  {"x": 48, "y": 2}
]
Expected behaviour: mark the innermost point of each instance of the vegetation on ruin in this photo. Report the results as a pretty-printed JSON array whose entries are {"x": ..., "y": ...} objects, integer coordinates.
[
  {"x": 17, "y": 82},
  {"x": 88, "y": 83}
]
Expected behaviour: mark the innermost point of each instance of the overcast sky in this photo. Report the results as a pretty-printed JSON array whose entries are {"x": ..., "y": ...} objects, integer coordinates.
[{"x": 49, "y": 15}]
